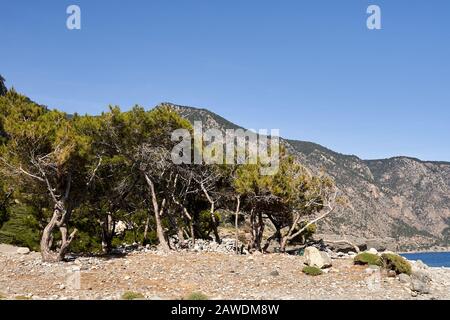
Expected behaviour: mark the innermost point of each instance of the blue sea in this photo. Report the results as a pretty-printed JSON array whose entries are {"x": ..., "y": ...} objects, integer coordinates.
[{"x": 432, "y": 259}]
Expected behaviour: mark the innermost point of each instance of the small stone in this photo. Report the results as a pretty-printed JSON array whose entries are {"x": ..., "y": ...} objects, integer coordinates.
[
  {"x": 391, "y": 274},
  {"x": 274, "y": 273},
  {"x": 372, "y": 251},
  {"x": 23, "y": 251}
]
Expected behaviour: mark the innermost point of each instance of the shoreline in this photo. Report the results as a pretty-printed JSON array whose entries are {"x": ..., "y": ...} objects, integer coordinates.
[{"x": 447, "y": 250}]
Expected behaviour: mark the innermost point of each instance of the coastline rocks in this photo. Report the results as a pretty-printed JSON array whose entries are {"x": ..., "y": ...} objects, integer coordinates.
[
  {"x": 419, "y": 287},
  {"x": 316, "y": 258},
  {"x": 420, "y": 281},
  {"x": 419, "y": 265}
]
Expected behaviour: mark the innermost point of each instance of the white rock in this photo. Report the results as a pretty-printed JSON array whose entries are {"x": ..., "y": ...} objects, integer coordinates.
[
  {"x": 404, "y": 278},
  {"x": 316, "y": 258},
  {"x": 372, "y": 250},
  {"x": 23, "y": 251}
]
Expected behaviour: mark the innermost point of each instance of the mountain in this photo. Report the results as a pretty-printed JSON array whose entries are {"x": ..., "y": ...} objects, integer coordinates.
[{"x": 402, "y": 202}]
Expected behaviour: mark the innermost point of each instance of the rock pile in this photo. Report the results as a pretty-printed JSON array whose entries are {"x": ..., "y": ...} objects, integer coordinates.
[{"x": 228, "y": 245}]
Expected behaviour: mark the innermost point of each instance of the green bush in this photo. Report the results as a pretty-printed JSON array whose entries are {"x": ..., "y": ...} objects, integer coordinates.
[
  {"x": 312, "y": 271},
  {"x": 205, "y": 223},
  {"x": 395, "y": 262},
  {"x": 367, "y": 258},
  {"x": 22, "y": 228},
  {"x": 196, "y": 296},
  {"x": 129, "y": 295}
]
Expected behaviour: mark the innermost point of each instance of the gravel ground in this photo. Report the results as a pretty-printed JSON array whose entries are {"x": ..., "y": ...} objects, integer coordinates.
[{"x": 156, "y": 275}]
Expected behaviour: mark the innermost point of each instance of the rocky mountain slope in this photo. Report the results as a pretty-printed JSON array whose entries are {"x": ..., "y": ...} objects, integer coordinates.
[{"x": 401, "y": 202}]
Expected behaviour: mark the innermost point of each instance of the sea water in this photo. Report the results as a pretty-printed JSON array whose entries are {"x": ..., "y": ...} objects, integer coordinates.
[{"x": 432, "y": 259}]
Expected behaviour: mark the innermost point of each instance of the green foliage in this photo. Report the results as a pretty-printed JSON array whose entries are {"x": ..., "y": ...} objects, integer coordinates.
[
  {"x": 98, "y": 168},
  {"x": 306, "y": 234},
  {"x": 205, "y": 223},
  {"x": 130, "y": 295},
  {"x": 3, "y": 89},
  {"x": 312, "y": 271},
  {"x": 392, "y": 261},
  {"x": 196, "y": 296},
  {"x": 22, "y": 229},
  {"x": 365, "y": 258}
]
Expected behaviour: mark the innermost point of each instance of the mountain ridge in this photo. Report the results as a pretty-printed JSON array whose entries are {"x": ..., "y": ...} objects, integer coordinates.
[{"x": 402, "y": 201}]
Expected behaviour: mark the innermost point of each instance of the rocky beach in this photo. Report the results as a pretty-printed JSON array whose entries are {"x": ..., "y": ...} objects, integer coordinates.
[{"x": 216, "y": 273}]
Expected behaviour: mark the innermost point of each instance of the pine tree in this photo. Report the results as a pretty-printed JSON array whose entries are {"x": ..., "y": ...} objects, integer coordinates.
[{"x": 3, "y": 89}]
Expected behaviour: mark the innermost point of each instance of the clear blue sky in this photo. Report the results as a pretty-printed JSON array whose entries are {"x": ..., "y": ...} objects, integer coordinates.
[{"x": 310, "y": 68}]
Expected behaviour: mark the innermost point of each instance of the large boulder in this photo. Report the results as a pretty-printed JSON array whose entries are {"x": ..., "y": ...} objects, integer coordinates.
[
  {"x": 316, "y": 258},
  {"x": 420, "y": 281}
]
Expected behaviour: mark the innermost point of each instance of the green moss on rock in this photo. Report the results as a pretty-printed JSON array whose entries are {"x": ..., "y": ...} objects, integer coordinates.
[
  {"x": 392, "y": 261},
  {"x": 129, "y": 295},
  {"x": 196, "y": 296},
  {"x": 312, "y": 271},
  {"x": 366, "y": 258}
]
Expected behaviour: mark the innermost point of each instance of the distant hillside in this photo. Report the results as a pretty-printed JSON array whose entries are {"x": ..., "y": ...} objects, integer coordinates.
[{"x": 403, "y": 201}]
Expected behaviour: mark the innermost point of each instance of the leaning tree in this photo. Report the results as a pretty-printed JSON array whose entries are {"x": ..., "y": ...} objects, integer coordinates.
[{"x": 44, "y": 152}]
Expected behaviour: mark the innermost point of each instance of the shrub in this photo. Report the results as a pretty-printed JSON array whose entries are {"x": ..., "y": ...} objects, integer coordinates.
[
  {"x": 367, "y": 258},
  {"x": 205, "y": 223},
  {"x": 22, "y": 228},
  {"x": 395, "y": 262},
  {"x": 196, "y": 296},
  {"x": 22, "y": 298},
  {"x": 129, "y": 295},
  {"x": 312, "y": 271}
]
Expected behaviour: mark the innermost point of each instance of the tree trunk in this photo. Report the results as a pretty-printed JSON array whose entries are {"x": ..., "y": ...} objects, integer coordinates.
[
  {"x": 291, "y": 234},
  {"x": 159, "y": 229},
  {"x": 213, "y": 216},
  {"x": 47, "y": 239},
  {"x": 257, "y": 225},
  {"x": 236, "y": 222},
  {"x": 58, "y": 220},
  {"x": 283, "y": 244},
  {"x": 276, "y": 235},
  {"x": 108, "y": 230},
  {"x": 214, "y": 223},
  {"x": 147, "y": 225}
]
